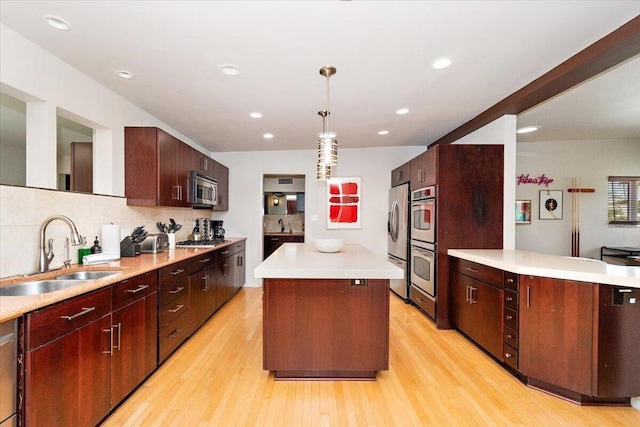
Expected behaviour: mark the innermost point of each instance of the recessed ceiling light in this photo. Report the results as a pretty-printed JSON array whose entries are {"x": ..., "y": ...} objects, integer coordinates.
[
  {"x": 267, "y": 136},
  {"x": 402, "y": 111},
  {"x": 255, "y": 115},
  {"x": 441, "y": 63},
  {"x": 124, "y": 74},
  {"x": 230, "y": 69},
  {"x": 528, "y": 129},
  {"x": 57, "y": 22},
  {"x": 383, "y": 132}
]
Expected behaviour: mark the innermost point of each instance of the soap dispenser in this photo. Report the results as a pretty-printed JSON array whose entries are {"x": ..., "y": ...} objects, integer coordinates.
[
  {"x": 84, "y": 250},
  {"x": 96, "y": 248}
]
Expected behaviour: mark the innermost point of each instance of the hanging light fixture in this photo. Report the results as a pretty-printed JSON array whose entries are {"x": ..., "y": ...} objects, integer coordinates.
[{"x": 327, "y": 142}]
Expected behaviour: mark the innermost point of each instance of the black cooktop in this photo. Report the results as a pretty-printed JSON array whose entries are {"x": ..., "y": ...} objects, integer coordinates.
[{"x": 200, "y": 243}]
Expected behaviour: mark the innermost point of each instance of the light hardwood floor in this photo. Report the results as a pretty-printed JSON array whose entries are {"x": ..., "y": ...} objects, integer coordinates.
[{"x": 436, "y": 378}]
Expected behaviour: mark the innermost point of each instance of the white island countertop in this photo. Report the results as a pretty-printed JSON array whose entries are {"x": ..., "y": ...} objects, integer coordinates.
[
  {"x": 304, "y": 261},
  {"x": 558, "y": 267}
]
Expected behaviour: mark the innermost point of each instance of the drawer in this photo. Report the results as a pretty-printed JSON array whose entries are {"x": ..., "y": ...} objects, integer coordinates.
[
  {"x": 484, "y": 273},
  {"x": 511, "y": 281},
  {"x": 174, "y": 272},
  {"x": 56, "y": 320},
  {"x": 200, "y": 262},
  {"x": 130, "y": 290},
  {"x": 169, "y": 312},
  {"x": 510, "y": 300},
  {"x": 510, "y": 318},
  {"x": 511, "y": 337},
  {"x": 174, "y": 334},
  {"x": 510, "y": 356},
  {"x": 238, "y": 247},
  {"x": 420, "y": 299}
]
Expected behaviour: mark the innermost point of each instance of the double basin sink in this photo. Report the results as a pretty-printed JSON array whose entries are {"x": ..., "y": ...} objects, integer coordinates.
[{"x": 63, "y": 281}]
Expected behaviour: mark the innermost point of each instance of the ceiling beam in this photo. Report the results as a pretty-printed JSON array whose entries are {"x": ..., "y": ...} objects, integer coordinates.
[{"x": 609, "y": 51}]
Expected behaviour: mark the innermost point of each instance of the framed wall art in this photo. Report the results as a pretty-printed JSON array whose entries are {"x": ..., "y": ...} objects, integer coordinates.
[
  {"x": 550, "y": 204},
  {"x": 523, "y": 211},
  {"x": 343, "y": 203}
]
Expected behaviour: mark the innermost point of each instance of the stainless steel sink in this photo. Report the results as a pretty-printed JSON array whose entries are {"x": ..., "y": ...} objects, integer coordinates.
[
  {"x": 87, "y": 275},
  {"x": 37, "y": 287}
]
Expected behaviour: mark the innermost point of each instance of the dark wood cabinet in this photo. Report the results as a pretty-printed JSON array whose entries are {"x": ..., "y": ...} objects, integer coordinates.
[
  {"x": 221, "y": 175},
  {"x": 477, "y": 304},
  {"x": 173, "y": 308},
  {"x": 401, "y": 174},
  {"x": 273, "y": 242},
  {"x": 135, "y": 337},
  {"x": 67, "y": 370},
  {"x": 156, "y": 168},
  {"x": 202, "y": 290},
  {"x": 510, "y": 324},
  {"x": 556, "y": 332},
  {"x": 82, "y": 167},
  {"x": 325, "y": 327},
  {"x": 239, "y": 270},
  {"x": 424, "y": 169}
]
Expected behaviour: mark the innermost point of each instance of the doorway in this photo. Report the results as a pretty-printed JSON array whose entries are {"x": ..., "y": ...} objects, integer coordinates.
[{"x": 283, "y": 211}]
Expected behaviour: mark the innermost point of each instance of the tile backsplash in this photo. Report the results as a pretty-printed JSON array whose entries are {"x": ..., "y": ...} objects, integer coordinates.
[
  {"x": 270, "y": 222},
  {"x": 22, "y": 211}
]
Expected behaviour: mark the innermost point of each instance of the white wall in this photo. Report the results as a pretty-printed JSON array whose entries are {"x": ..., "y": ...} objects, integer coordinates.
[
  {"x": 246, "y": 170},
  {"x": 592, "y": 162}
]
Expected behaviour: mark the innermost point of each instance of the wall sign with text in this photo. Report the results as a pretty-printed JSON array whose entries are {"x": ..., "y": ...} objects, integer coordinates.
[{"x": 540, "y": 180}]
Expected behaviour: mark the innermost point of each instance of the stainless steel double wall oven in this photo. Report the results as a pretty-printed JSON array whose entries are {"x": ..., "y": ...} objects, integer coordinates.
[{"x": 423, "y": 249}]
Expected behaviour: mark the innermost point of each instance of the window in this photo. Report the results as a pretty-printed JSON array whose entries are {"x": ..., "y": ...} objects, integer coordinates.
[{"x": 624, "y": 200}]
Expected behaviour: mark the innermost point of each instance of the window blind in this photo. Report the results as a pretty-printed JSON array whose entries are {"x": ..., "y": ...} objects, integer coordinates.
[{"x": 623, "y": 200}]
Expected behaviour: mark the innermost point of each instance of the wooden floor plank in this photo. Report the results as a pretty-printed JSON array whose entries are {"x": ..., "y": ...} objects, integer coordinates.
[{"x": 434, "y": 378}]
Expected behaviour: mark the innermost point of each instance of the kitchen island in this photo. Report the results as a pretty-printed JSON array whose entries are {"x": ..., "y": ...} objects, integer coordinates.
[
  {"x": 326, "y": 315},
  {"x": 568, "y": 326}
]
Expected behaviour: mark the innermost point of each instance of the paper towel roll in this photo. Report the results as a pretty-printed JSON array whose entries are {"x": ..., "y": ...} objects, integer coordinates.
[{"x": 111, "y": 240}]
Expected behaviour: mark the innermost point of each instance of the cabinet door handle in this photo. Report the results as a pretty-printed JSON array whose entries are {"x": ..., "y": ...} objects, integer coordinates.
[
  {"x": 117, "y": 346},
  {"x": 84, "y": 311},
  {"x": 176, "y": 290},
  {"x": 205, "y": 283},
  {"x": 528, "y": 296},
  {"x": 177, "y": 308},
  {"x": 225, "y": 269},
  {"x": 178, "y": 271},
  {"x": 467, "y": 296},
  {"x": 138, "y": 289},
  {"x": 175, "y": 333},
  {"x": 239, "y": 262},
  {"x": 472, "y": 300},
  {"x": 175, "y": 192},
  {"x": 473, "y": 270},
  {"x": 110, "y": 332}
]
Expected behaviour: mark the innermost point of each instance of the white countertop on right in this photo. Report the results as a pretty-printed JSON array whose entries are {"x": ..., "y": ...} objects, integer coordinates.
[{"x": 558, "y": 267}]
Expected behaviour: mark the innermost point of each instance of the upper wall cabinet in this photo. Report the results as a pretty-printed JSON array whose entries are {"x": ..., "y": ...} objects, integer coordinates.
[
  {"x": 157, "y": 167},
  {"x": 401, "y": 174}
]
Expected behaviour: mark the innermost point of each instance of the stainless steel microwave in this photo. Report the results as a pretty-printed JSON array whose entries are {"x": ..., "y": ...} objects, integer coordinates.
[{"x": 204, "y": 191}]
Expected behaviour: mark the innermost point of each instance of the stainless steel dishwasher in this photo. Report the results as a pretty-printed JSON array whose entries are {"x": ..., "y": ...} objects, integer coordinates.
[{"x": 8, "y": 373}]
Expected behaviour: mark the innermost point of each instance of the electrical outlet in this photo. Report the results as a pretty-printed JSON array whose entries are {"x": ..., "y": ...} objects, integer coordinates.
[{"x": 358, "y": 282}]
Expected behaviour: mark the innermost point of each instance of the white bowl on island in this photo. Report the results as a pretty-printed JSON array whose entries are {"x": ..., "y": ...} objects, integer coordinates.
[{"x": 329, "y": 245}]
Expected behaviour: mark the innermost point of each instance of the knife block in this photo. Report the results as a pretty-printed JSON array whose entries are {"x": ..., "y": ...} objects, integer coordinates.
[{"x": 128, "y": 248}]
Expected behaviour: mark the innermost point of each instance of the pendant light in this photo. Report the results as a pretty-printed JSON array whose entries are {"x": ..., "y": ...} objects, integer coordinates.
[{"x": 327, "y": 142}]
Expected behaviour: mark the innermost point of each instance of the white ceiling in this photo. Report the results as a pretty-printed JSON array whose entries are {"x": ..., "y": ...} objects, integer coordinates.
[{"x": 383, "y": 52}]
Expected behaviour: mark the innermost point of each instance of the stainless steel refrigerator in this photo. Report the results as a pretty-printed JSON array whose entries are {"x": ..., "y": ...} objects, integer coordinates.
[{"x": 398, "y": 237}]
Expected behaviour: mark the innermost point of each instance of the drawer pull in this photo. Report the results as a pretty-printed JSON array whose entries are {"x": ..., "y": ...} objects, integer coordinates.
[
  {"x": 508, "y": 355},
  {"x": 204, "y": 261},
  {"x": 177, "y": 290},
  {"x": 175, "y": 333},
  {"x": 509, "y": 336},
  {"x": 509, "y": 299},
  {"x": 509, "y": 280},
  {"x": 177, "y": 308},
  {"x": 84, "y": 311},
  {"x": 175, "y": 273},
  {"x": 473, "y": 270},
  {"x": 509, "y": 317},
  {"x": 138, "y": 289},
  {"x": 225, "y": 252}
]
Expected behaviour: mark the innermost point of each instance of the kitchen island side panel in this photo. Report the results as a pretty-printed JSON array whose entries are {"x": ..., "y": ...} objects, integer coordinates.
[{"x": 325, "y": 325}]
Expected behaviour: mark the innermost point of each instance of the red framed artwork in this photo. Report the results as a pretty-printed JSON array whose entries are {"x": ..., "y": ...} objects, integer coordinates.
[{"x": 343, "y": 203}]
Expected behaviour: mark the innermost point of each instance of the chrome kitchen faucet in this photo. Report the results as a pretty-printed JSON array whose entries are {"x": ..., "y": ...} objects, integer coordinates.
[{"x": 47, "y": 255}]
